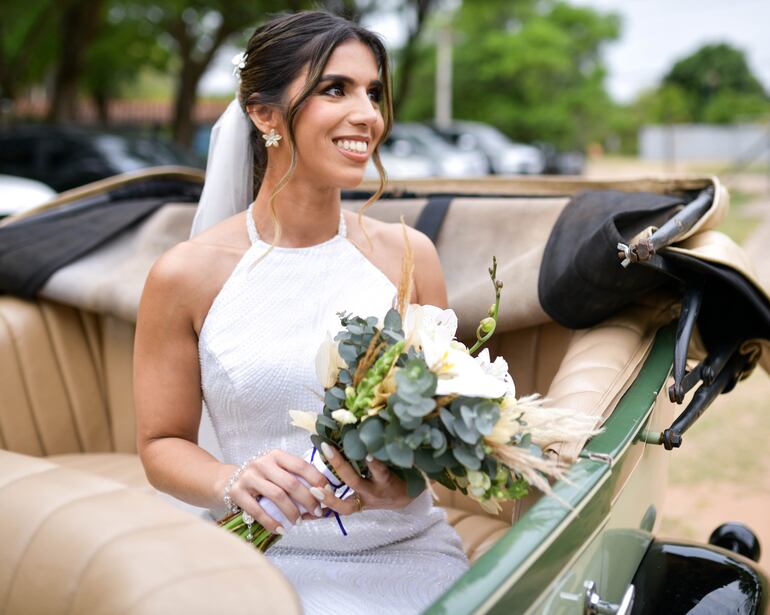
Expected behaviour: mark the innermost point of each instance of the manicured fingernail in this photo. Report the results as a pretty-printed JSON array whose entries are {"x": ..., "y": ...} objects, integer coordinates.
[
  {"x": 317, "y": 512},
  {"x": 298, "y": 522},
  {"x": 369, "y": 458},
  {"x": 280, "y": 531},
  {"x": 329, "y": 488},
  {"x": 317, "y": 494},
  {"x": 327, "y": 450}
]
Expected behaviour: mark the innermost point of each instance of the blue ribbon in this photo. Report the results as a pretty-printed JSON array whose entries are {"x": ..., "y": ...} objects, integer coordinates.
[{"x": 330, "y": 511}]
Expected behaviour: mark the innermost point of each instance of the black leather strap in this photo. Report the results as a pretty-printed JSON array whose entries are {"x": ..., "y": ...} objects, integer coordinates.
[{"x": 432, "y": 216}]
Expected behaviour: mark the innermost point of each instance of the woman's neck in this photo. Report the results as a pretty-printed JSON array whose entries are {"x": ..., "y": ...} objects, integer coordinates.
[{"x": 308, "y": 215}]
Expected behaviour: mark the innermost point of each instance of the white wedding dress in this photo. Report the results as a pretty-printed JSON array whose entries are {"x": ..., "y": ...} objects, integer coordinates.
[{"x": 257, "y": 354}]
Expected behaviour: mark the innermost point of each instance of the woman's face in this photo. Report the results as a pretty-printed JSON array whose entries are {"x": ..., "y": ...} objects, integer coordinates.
[{"x": 341, "y": 122}]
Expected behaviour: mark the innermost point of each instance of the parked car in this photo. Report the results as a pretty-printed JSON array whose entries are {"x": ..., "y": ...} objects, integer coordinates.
[
  {"x": 413, "y": 139},
  {"x": 503, "y": 155},
  {"x": 562, "y": 163},
  {"x": 18, "y": 194},
  {"x": 407, "y": 165},
  {"x": 80, "y": 525},
  {"x": 64, "y": 157}
]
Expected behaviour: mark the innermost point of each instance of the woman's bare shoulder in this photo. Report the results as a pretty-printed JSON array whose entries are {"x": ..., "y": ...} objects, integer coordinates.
[{"x": 189, "y": 275}]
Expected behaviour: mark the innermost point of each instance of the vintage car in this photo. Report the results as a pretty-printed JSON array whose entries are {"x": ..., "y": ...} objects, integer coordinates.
[{"x": 82, "y": 531}]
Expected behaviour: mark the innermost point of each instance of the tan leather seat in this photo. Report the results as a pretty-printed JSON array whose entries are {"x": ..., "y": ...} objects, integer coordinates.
[{"x": 77, "y": 543}]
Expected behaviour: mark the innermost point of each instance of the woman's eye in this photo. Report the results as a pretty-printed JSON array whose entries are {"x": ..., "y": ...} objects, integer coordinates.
[
  {"x": 375, "y": 95},
  {"x": 334, "y": 90}
]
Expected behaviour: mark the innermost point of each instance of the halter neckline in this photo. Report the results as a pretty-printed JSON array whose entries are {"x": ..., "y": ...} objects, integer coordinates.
[{"x": 251, "y": 227}]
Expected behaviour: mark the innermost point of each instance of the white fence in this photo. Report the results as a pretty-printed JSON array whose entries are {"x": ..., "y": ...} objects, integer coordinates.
[{"x": 734, "y": 143}]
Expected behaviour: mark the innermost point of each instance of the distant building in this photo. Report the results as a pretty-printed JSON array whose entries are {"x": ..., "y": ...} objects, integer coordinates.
[{"x": 731, "y": 143}]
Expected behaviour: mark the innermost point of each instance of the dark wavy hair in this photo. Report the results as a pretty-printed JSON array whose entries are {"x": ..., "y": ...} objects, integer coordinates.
[{"x": 276, "y": 54}]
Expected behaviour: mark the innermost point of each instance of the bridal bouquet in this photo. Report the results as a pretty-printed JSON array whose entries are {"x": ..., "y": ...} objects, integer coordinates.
[{"x": 406, "y": 392}]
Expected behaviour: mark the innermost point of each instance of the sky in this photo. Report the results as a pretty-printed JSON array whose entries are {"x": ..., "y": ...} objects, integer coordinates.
[{"x": 654, "y": 35}]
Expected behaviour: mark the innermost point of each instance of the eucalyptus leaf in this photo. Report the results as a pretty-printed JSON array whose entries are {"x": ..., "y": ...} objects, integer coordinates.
[
  {"x": 327, "y": 422},
  {"x": 437, "y": 441},
  {"x": 466, "y": 457},
  {"x": 392, "y": 320},
  {"x": 424, "y": 460},
  {"x": 410, "y": 422},
  {"x": 372, "y": 434},
  {"x": 448, "y": 419},
  {"x": 332, "y": 401},
  {"x": 392, "y": 336},
  {"x": 468, "y": 415},
  {"x": 349, "y": 354},
  {"x": 353, "y": 446},
  {"x": 400, "y": 454},
  {"x": 421, "y": 408},
  {"x": 415, "y": 483},
  {"x": 467, "y": 434}
]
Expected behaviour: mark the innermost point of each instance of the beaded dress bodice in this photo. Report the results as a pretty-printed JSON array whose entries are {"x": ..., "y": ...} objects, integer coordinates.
[{"x": 257, "y": 350}]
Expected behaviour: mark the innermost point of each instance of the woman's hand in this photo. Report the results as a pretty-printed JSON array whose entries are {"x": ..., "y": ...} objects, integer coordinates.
[
  {"x": 275, "y": 476},
  {"x": 383, "y": 490}
]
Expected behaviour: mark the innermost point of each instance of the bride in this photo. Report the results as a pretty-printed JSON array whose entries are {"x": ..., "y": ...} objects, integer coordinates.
[{"x": 233, "y": 317}]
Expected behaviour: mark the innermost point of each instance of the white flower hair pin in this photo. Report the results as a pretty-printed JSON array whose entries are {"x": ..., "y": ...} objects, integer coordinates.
[{"x": 239, "y": 63}]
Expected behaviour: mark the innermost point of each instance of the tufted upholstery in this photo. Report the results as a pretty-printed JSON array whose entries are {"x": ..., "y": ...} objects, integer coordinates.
[{"x": 81, "y": 544}]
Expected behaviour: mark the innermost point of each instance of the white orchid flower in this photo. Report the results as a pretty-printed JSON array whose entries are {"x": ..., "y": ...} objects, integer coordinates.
[
  {"x": 497, "y": 369},
  {"x": 328, "y": 362},
  {"x": 460, "y": 374},
  {"x": 432, "y": 330}
]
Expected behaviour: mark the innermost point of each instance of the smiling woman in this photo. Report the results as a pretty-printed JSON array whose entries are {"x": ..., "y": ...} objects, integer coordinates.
[{"x": 231, "y": 319}]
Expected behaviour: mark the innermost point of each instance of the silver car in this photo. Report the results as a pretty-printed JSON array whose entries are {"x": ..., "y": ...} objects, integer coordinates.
[
  {"x": 505, "y": 157},
  {"x": 410, "y": 139}
]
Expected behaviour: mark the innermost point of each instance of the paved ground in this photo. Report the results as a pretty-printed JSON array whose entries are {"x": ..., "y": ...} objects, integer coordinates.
[{"x": 722, "y": 471}]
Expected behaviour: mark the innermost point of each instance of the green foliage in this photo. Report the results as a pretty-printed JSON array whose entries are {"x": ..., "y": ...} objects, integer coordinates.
[
  {"x": 532, "y": 69},
  {"x": 128, "y": 43},
  {"x": 712, "y": 85}
]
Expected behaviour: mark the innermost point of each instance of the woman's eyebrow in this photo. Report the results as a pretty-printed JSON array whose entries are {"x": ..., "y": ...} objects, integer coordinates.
[{"x": 346, "y": 79}]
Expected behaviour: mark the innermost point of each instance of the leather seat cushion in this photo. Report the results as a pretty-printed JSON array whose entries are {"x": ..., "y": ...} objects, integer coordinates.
[
  {"x": 123, "y": 468},
  {"x": 478, "y": 532}
]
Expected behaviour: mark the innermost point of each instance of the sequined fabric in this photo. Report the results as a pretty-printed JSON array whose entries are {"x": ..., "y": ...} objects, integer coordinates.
[{"x": 257, "y": 352}]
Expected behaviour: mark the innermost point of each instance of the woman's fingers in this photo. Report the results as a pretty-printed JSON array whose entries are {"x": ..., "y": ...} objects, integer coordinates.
[
  {"x": 249, "y": 504},
  {"x": 379, "y": 471},
  {"x": 277, "y": 496},
  {"x": 294, "y": 487},
  {"x": 300, "y": 467},
  {"x": 343, "y": 469}
]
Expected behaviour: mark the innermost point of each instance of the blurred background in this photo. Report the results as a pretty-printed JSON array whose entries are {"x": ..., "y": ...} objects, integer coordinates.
[{"x": 600, "y": 88}]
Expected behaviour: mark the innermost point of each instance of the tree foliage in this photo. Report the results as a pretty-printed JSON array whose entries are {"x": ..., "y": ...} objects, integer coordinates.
[
  {"x": 532, "y": 68},
  {"x": 712, "y": 85}
]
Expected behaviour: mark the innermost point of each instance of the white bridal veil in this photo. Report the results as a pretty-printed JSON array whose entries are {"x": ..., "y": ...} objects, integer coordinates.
[{"x": 229, "y": 174}]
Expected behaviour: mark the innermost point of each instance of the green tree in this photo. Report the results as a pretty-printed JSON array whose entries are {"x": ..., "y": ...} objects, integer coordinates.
[
  {"x": 717, "y": 84},
  {"x": 26, "y": 49},
  {"x": 532, "y": 68}
]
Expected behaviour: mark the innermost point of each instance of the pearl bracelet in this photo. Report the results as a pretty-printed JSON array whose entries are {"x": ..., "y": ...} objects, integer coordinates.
[{"x": 231, "y": 506}]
